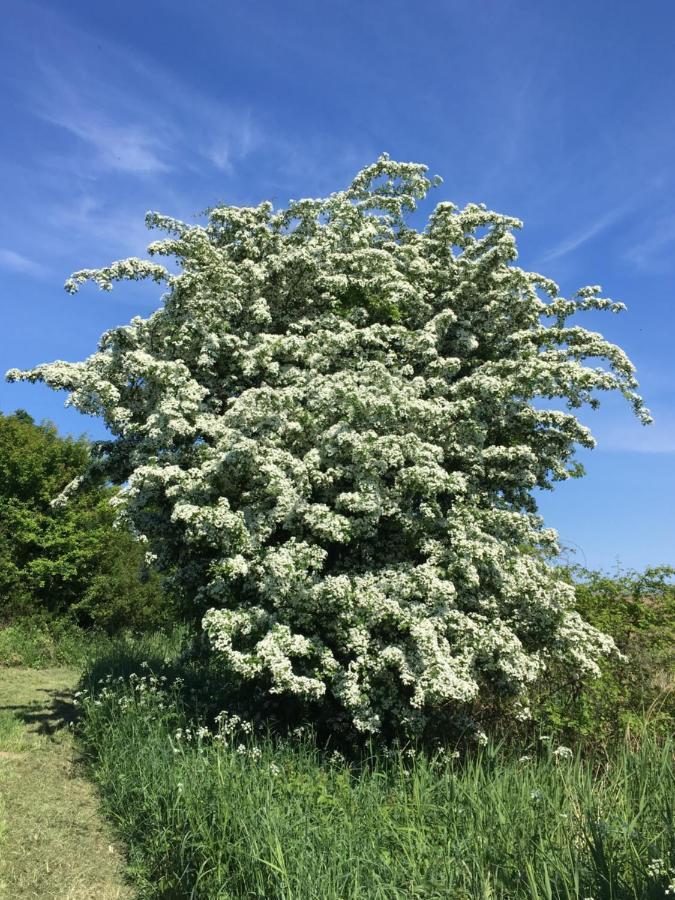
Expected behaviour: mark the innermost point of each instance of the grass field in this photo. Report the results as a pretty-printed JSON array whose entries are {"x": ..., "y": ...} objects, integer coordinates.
[
  {"x": 214, "y": 811},
  {"x": 53, "y": 840}
]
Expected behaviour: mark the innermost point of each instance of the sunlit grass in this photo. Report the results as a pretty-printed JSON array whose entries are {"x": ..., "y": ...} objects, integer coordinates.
[
  {"x": 53, "y": 842},
  {"x": 13, "y": 735}
]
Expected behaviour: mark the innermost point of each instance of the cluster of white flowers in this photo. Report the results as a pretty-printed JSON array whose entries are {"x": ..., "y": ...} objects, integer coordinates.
[
  {"x": 563, "y": 753},
  {"x": 147, "y": 692},
  {"x": 481, "y": 738},
  {"x": 230, "y": 725},
  {"x": 657, "y": 869},
  {"x": 330, "y": 433},
  {"x": 251, "y": 751},
  {"x": 444, "y": 757},
  {"x": 337, "y": 758},
  {"x": 190, "y": 735}
]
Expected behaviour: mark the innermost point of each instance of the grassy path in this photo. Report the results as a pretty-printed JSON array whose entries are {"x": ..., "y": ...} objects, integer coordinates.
[{"x": 53, "y": 843}]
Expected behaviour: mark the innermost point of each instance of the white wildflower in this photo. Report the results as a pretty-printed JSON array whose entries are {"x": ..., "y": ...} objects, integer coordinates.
[{"x": 563, "y": 752}]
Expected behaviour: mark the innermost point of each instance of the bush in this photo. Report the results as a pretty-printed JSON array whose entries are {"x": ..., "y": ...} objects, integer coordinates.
[
  {"x": 329, "y": 435},
  {"x": 40, "y": 643},
  {"x": 638, "y": 611}
]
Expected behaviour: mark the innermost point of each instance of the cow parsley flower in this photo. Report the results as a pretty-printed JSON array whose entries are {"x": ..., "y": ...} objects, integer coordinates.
[{"x": 563, "y": 753}]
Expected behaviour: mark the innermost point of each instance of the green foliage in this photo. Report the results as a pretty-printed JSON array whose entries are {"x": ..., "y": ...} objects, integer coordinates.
[
  {"x": 235, "y": 815},
  {"x": 67, "y": 559},
  {"x": 39, "y": 644},
  {"x": 638, "y": 611},
  {"x": 35, "y": 462}
]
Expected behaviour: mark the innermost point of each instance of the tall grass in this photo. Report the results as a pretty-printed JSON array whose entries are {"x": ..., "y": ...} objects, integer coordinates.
[
  {"x": 43, "y": 643},
  {"x": 36, "y": 643},
  {"x": 226, "y": 813}
]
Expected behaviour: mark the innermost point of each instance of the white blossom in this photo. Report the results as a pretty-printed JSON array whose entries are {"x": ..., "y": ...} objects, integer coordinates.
[{"x": 330, "y": 432}]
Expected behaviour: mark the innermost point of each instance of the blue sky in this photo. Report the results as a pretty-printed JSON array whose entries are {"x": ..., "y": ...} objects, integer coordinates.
[{"x": 559, "y": 113}]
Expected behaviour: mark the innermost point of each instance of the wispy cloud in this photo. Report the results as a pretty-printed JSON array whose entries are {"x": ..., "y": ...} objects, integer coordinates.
[
  {"x": 123, "y": 114},
  {"x": 584, "y": 235},
  {"x": 17, "y": 262},
  {"x": 120, "y": 133},
  {"x": 635, "y": 438},
  {"x": 131, "y": 114},
  {"x": 103, "y": 119},
  {"x": 118, "y": 229},
  {"x": 127, "y": 148},
  {"x": 235, "y": 140},
  {"x": 649, "y": 251},
  {"x": 650, "y": 187}
]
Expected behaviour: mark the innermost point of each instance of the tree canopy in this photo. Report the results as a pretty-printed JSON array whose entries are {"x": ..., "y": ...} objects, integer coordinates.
[
  {"x": 68, "y": 560},
  {"x": 331, "y": 431}
]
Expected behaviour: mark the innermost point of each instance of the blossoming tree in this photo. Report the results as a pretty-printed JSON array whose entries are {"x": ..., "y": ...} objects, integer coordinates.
[{"x": 330, "y": 430}]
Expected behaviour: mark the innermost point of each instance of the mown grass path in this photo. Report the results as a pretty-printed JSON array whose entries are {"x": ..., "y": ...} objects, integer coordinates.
[{"x": 53, "y": 842}]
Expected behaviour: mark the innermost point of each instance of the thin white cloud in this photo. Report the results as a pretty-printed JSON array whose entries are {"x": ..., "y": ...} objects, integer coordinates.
[
  {"x": 134, "y": 116},
  {"x": 203, "y": 128},
  {"x": 17, "y": 262},
  {"x": 130, "y": 114},
  {"x": 650, "y": 251},
  {"x": 236, "y": 139},
  {"x": 574, "y": 241},
  {"x": 121, "y": 133},
  {"x": 641, "y": 253},
  {"x": 126, "y": 148},
  {"x": 118, "y": 229},
  {"x": 635, "y": 438}
]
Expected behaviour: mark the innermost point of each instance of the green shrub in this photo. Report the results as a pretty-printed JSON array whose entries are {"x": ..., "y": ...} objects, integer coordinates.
[
  {"x": 638, "y": 611},
  {"x": 39, "y": 644}
]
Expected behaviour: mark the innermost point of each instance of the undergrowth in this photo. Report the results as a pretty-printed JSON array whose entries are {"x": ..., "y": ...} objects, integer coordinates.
[
  {"x": 212, "y": 807},
  {"x": 44, "y": 643}
]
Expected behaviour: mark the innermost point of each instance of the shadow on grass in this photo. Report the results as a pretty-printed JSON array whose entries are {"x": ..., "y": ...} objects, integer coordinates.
[{"x": 58, "y": 712}]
